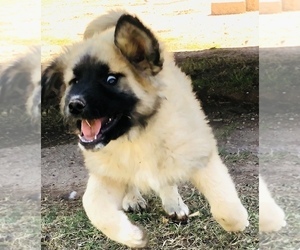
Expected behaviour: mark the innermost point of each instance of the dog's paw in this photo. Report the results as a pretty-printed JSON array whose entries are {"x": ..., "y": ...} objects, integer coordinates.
[
  {"x": 232, "y": 217},
  {"x": 177, "y": 210},
  {"x": 134, "y": 202},
  {"x": 133, "y": 237},
  {"x": 271, "y": 217}
]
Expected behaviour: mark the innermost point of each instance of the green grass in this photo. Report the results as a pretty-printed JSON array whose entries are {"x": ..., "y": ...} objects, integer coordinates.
[
  {"x": 20, "y": 222},
  {"x": 66, "y": 226},
  {"x": 230, "y": 158},
  {"x": 225, "y": 131},
  {"x": 280, "y": 171},
  {"x": 224, "y": 74},
  {"x": 289, "y": 236},
  {"x": 279, "y": 79}
]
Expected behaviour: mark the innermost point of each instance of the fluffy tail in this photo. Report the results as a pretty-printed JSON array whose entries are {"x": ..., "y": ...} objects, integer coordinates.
[{"x": 103, "y": 22}]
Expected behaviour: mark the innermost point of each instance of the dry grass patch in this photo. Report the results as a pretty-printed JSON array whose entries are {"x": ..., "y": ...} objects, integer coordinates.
[
  {"x": 19, "y": 223},
  {"x": 65, "y": 225}
]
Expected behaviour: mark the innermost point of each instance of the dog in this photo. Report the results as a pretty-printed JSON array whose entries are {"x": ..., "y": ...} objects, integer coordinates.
[
  {"x": 20, "y": 84},
  {"x": 271, "y": 216},
  {"x": 140, "y": 128}
]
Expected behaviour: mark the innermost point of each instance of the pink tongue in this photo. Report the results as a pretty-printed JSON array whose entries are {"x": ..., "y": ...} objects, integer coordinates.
[{"x": 90, "y": 128}]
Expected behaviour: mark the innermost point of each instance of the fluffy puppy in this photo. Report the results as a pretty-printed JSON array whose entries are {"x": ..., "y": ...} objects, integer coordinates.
[
  {"x": 20, "y": 83},
  {"x": 140, "y": 128}
]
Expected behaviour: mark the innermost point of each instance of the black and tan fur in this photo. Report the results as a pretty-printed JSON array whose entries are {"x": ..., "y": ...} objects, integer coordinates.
[
  {"x": 20, "y": 83},
  {"x": 141, "y": 128}
]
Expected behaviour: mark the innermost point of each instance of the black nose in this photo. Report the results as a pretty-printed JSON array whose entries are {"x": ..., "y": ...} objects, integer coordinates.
[{"x": 76, "y": 106}]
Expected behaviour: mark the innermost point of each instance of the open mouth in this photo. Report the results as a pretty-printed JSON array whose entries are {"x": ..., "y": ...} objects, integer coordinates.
[{"x": 94, "y": 131}]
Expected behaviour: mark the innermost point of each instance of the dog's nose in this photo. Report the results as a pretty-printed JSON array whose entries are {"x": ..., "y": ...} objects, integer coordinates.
[{"x": 76, "y": 106}]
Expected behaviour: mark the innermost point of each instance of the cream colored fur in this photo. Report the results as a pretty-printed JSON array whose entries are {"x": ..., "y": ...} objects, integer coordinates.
[
  {"x": 29, "y": 62},
  {"x": 271, "y": 216},
  {"x": 102, "y": 23},
  {"x": 33, "y": 62},
  {"x": 177, "y": 145}
]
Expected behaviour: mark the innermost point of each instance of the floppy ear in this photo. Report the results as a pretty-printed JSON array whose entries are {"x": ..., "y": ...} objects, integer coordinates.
[
  {"x": 138, "y": 45},
  {"x": 52, "y": 84}
]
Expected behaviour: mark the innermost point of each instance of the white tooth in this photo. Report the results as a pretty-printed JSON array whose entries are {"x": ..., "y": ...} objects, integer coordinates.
[
  {"x": 95, "y": 137},
  {"x": 88, "y": 123},
  {"x": 109, "y": 120}
]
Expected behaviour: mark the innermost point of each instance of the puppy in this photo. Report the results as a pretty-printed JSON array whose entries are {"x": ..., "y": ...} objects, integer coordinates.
[
  {"x": 271, "y": 216},
  {"x": 140, "y": 128},
  {"x": 20, "y": 84}
]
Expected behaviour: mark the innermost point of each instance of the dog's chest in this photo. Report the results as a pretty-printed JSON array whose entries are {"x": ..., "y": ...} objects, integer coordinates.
[{"x": 145, "y": 163}]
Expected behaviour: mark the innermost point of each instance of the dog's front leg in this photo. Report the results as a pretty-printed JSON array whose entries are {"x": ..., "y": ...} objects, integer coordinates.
[
  {"x": 102, "y": 202},
  {"x": 217, "y": 186},
  {"x": 172, "y": 202},
  {"x": 133, "y": 200},
  {"x": 271, "y": 216}
]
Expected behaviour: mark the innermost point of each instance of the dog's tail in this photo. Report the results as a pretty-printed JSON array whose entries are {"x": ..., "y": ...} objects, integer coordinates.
[{"x": 103, "y": 22}]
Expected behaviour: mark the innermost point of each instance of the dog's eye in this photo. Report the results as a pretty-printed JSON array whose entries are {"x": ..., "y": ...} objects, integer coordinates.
[
  {"x": 73, "y": 81},
  {"x": 112, "y": 80}
]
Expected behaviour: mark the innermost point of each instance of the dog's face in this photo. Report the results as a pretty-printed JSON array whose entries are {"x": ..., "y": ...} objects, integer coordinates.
[{"x": 109, "y": 81}]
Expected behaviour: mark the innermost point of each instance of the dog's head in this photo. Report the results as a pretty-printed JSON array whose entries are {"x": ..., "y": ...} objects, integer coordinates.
[
  {"x": 109, "y": 82},
  {"x": 20, "y": 84}
]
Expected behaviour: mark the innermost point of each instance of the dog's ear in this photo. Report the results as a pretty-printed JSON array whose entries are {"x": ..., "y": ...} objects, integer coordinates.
[
  {"x": 138, "y": 45},
  {"x": 52, "y": 84}
]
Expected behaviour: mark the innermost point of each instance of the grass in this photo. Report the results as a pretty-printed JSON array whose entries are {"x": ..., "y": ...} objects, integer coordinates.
[
  {"x": 20, "y": 222},
  {"x": 284, "y": 186},
  {"x": 65, "y": 225},
  {"x": 279, "y": 79},
  {"x": 226, "y": 131},
  {"x": 68, "y": 228},
  {"x": 237, "y": 158},
  {"x": 289, "y": 236},
  {"x": 224, "y": 74}
]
